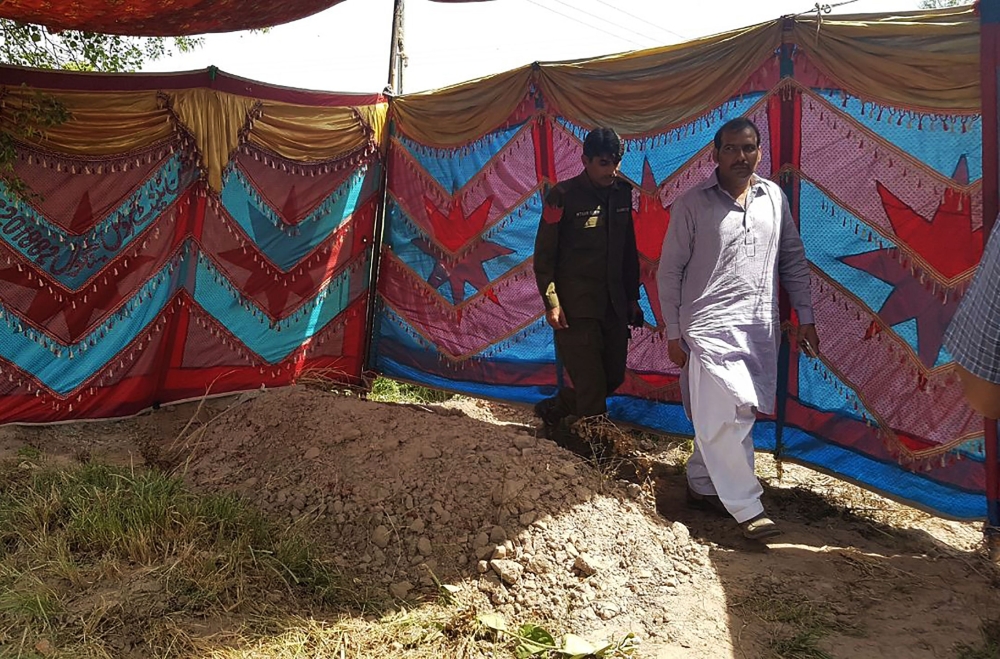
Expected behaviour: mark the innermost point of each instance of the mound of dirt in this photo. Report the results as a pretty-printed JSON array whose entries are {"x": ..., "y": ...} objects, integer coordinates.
[
  {"x": 403, "y": 495},
  {"x": 400, "y": 496}
]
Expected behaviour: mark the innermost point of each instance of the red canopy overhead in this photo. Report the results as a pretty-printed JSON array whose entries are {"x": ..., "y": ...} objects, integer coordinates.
[{"x": 163, "y": 17}]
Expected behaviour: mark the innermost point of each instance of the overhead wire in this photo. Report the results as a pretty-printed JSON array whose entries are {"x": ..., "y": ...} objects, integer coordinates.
[
  {"x": 584, "y": 23},
  {"x": 640, "y": 18},
  {"x": 605, "y": 20}
]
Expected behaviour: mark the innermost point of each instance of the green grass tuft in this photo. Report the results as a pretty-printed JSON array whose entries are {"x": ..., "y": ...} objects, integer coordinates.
[{"x": 385, "y": 390}]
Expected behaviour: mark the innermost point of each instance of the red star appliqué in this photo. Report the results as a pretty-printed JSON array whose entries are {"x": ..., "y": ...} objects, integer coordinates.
[
  {"x": 466, "y": 269},
  {"x": 276, "y": 286},
  {"x": 651, "y": 222},
  {"x": 947, "y": 242},
  {"x": 455, "y": 229},
  {"x": 81, "y": 317}
]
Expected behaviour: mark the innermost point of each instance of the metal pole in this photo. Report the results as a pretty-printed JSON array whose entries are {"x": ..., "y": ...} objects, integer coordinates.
[
  {"x": 400, "y": 50},
  {"x": 395, "y": 46},
  {"x": 786, "y": 156}
]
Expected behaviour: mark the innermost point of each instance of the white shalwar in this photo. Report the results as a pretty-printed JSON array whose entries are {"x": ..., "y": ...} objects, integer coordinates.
[{"x": 718, "y": 284}]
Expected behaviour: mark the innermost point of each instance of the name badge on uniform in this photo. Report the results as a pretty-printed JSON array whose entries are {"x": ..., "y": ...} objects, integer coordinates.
[
  {"x": 749, "y": 243},
  {"x": 593, "y": 217}
]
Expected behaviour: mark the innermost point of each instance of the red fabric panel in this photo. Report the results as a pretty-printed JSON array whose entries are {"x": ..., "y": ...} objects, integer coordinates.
[
  {"x": 211, "y": 78},
  {"x": 163, "y": 17},
  {"x": 184, "y": 351},
  {"x": 160, "y": 17}
]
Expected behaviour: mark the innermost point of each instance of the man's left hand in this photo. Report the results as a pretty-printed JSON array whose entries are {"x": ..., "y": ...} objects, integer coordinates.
[
  {"x": 635, "y": 315},
  {"x": 808, "y": 340}
]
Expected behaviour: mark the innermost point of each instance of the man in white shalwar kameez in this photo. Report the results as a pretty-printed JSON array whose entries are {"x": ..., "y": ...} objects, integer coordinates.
[{"x": 730, "y": 239}]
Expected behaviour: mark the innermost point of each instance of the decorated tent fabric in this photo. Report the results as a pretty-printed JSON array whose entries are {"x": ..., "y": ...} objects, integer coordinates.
[
  {"x": 203, "y": 251},
  {"x": 198, "y": 233},
  {"x": 162, "y": 17},
  {"x": 887, "y": 194}
]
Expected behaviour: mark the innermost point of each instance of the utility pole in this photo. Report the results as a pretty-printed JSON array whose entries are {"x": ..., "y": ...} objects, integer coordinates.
[
  {"x": 401, "y": 61},
  {"x": 397, "y": 59}
]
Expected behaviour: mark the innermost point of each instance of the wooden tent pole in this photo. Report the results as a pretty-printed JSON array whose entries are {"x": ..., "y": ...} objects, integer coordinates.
[{"x": 395, "y": 84}]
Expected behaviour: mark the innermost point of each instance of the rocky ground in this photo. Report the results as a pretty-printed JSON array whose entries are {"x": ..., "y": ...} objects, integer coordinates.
[{"x": 404, "y": 497}]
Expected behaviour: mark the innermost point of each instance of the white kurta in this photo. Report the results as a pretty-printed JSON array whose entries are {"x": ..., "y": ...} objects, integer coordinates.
[{"x": 718, "y": 284}]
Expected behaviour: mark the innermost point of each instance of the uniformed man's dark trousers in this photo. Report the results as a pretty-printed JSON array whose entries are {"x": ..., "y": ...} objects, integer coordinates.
[{"x": 594, "y": 353}]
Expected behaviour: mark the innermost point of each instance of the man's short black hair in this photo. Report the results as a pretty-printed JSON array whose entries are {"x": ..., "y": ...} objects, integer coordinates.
[
  {"x": 736, "y": 125},
  {"x": 603, "y": 142}
]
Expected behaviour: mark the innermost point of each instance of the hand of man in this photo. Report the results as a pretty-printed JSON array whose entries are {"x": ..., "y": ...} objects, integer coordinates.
[
  {"x": 676, "y": 353},
  {"x": 635, "y": 315},
  {"x": 808, "y": 340},
  {"x": 556, "y": 318}
]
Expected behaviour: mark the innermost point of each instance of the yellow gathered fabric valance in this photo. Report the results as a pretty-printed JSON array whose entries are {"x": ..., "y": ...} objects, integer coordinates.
[
  {"x": 100, "y": 124},
  {"x": 927, "y": 61},
  {"x": 454, "y": 115},
  {"x": 215, "y": 120},
  {"x": 634, "y": 93},
  {"x": 310, "y": 134},
  {"x": 640, "y": 92},
  {"x": 112, "y": 123}
]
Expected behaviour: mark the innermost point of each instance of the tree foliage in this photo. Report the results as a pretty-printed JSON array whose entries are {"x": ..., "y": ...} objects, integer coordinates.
[
  {"x": 24, "y": 44},
  {"x": 28, "y": 119}
]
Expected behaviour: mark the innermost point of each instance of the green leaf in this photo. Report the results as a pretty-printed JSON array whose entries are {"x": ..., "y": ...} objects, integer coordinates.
[{"x": 535, "y": 640}]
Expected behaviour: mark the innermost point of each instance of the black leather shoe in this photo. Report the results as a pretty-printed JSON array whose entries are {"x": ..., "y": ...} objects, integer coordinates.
[{"x": 705, "y": 502}]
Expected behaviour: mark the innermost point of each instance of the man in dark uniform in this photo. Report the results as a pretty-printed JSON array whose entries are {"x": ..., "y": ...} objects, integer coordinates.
[{"x": 587, "y": 270}]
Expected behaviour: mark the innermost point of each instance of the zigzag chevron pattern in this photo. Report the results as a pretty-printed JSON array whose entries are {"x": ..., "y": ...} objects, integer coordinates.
[
  {"x": 890, "y": 207},
  {"x": 45, "y": 358},
  {"x": 412, "y": 283},
  {"x": 126, "y": 282},
  {"x": 85, "y": 299},
  {"x": 71, "y": 261}
]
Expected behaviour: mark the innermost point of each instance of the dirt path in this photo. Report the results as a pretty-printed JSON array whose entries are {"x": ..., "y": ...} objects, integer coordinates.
[
  {"x": 463, "y": 492},
  {"x": 886, "y": 582}
]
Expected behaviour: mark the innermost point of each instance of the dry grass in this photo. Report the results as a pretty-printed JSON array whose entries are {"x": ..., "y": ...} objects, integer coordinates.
[
  {"x": 428, "y": 632},
  {"x": 791, "y": 626},
  {"x": 98, "y": 560},
  {"x": 621, "y": 453},
  {"x": 104, "y": 563}
]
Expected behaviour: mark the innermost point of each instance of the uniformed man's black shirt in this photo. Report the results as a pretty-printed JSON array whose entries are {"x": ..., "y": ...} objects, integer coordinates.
[{"x": 585, "y": 252}]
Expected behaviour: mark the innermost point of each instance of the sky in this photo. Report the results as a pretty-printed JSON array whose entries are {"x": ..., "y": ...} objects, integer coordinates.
[{"x": 346, "y": 48}]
